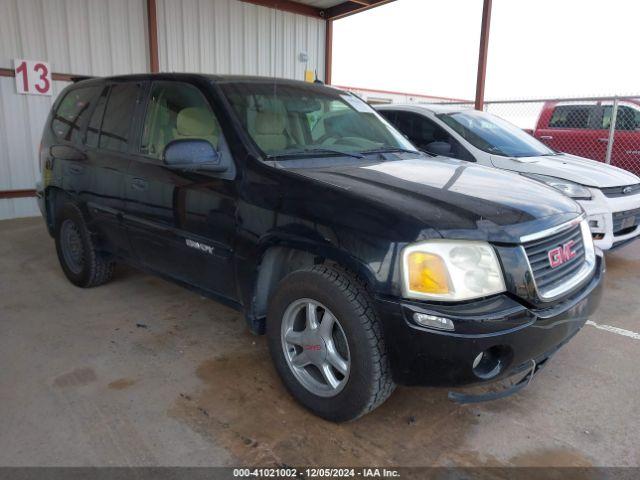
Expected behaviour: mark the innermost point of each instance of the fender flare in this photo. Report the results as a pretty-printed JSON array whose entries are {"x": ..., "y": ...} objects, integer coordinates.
[{"x": 278, "y": 255}]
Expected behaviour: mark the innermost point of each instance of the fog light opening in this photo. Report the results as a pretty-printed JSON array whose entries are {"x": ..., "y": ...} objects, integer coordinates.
[
  {"x": 491, "y": 362},
  {"x": 432, "y": 321}
]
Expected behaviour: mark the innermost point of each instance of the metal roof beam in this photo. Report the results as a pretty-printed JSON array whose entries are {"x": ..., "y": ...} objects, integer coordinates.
[
  {"x": 340, "y": 10},
  {"x": 351, "y": 7},
  {"x": 289, "y": 6}
]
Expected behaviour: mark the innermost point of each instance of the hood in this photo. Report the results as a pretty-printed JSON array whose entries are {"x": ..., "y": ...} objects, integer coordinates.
[
  {"x": 455, "y": 198},
  {"x": 569, "y": 167}
]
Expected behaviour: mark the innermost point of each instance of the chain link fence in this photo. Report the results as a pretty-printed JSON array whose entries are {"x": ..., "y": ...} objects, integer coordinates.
[{"x": 606, "y": 129}]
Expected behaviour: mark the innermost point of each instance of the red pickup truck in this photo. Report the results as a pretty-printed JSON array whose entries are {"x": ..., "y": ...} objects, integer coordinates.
[{"x": 582, "y": 128}]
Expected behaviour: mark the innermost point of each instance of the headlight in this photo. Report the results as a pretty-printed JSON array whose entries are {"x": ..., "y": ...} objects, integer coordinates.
[
  {"x": 570, "y": 189},
  {"x": 450, "y": 270}
]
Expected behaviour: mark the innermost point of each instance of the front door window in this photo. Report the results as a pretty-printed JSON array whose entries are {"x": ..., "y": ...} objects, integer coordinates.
[{"x": 177, "y": 111}]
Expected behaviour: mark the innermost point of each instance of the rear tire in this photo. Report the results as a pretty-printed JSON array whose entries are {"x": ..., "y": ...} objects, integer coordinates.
[
  {"x": 363, "y": 381},
  {"x": 81, "y": 262}
]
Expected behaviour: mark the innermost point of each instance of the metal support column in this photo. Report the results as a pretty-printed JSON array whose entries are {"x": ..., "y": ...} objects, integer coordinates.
[
  {"x": 482, "y": 56},
  {"x": 328, "y": 52},
  {"x": 612, "y": 131},
  {"x": 152, "y": 31}
]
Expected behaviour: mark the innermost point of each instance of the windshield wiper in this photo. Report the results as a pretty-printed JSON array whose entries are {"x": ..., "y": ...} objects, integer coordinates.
[
  {"x": 389, "y": 149},
  {"x": 311, "y": 151}
]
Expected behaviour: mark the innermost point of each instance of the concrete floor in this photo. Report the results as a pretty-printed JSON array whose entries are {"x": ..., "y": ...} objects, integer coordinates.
[{"x": 142, "y": 372}]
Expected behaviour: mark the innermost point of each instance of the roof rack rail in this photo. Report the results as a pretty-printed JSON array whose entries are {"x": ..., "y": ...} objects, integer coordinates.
[{"x": 79, "y": 78}]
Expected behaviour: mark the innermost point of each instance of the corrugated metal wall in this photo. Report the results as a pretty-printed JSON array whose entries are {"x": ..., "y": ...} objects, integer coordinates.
[
  {"x": 228, "y": 36},
  {"x": 92, "y": 37},
  {"x": 109, "y": 37},
  {"x": 21, "y": 121}
]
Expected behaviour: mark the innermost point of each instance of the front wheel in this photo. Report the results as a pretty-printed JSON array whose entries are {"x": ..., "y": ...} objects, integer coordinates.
[{"x": 327, "y": 344}]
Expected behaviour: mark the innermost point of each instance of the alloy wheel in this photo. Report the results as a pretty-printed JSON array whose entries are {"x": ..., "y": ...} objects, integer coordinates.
[{"x": 315, "y": 347}]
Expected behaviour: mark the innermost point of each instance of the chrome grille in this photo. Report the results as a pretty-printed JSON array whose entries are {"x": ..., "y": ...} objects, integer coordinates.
[{"x": 546, "y": 277}]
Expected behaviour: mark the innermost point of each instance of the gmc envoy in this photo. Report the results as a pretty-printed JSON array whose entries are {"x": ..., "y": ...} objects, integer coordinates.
[{"x": 366, "y": 262}]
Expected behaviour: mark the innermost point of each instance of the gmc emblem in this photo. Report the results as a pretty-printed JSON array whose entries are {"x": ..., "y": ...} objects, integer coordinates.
[{"x": 561, "y": 254}]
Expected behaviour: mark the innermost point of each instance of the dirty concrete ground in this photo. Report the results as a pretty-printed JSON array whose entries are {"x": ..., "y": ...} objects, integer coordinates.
[{"x": 143, "y": 372}]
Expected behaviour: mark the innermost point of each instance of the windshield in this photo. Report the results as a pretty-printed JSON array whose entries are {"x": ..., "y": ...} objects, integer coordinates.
[
  {"x": 299, "y": 120},
  {"x": 494, "y": 135}
]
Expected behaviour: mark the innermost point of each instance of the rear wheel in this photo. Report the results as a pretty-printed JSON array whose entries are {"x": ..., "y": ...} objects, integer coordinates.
[
  {"x": 81, "y": 262},
  {"x": 327, "y": 345}
]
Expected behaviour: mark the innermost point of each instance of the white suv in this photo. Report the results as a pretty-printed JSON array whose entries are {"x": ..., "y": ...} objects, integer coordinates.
[{"x": 609, "y": 195}]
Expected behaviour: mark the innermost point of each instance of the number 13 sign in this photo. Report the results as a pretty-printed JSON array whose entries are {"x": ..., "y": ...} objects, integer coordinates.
[{"x": 32, "y": 77}]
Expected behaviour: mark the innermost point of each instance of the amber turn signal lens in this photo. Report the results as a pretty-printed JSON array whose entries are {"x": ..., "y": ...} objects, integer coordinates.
[{"x": 427, "y": 273}]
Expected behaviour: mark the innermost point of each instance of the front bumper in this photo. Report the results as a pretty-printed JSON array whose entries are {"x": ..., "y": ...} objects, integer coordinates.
[
  {"x": 500, "y": 326},
  {"x": 600, "y": 211}
]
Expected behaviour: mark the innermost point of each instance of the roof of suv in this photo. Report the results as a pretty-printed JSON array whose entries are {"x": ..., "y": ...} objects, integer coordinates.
[
  {"x": 430, "y": 107},
  {"x": 191, "y": 76}
]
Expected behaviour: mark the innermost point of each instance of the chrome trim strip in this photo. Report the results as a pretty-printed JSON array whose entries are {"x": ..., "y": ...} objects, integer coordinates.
[
  {"x": 584, "y": 272},
  {"x": 551, "y": 231}
]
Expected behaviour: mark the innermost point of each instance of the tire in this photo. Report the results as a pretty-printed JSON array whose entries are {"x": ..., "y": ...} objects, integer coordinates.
[
  {"x": 81, "y": 262},
  {"x": 367, "y": 382}
]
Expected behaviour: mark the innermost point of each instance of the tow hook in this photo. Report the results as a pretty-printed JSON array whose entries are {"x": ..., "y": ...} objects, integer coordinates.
[{"x": 463, "y": 398}]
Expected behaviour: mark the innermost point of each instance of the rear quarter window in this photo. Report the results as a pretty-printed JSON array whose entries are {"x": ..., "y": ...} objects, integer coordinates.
[{"x": 72, "y": 113}]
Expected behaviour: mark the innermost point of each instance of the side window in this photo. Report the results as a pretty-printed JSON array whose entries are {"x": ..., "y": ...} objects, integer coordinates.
[
  {"x": 95, "y": 122},
  {"x": 627, "y": 118},
  {"x": 430, "y": 132},
  {"x": 429, "y": 136},
  {"x": 390, "y": 115},
  {"x": 177, "y": 111},
  {"x": 114, "y": 134},
  {"x": 72, "y": 113},
  {"x": 443, "y": 143},
  {"x": 459, "y": 151},
  {"x": 420, "y": 130},
  {"x": 571, "y": 116},
  {"x": 405, "y": 123}
]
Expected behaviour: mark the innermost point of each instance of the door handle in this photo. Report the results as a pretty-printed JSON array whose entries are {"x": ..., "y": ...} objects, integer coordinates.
[
  {"x": 75, "y": 169},
  {"x": 603, "y": 140},
  {"x": 546, "y": 137},
  {"x": 139, "y": 184}
]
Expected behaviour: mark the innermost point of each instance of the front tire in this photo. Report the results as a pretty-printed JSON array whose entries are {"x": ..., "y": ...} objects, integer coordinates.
[
  {"x": 327, "y": 345},
  {"x": 79, "y": 258}
]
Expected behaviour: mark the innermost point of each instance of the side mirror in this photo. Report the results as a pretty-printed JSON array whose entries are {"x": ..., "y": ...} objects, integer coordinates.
[
  {"x": 439, "y": 148},
  {"x": 192, "y": 154}
]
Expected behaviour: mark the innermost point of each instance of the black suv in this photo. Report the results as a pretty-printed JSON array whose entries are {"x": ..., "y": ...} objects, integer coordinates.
[{"x": 366, "y": 262}]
